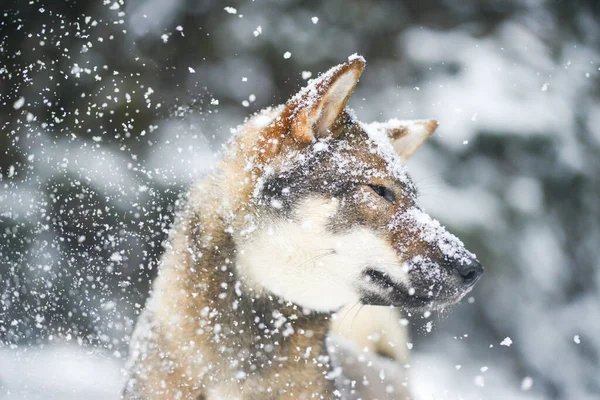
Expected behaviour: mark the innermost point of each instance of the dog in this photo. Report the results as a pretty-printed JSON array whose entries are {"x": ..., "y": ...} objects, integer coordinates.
[{"x": 310, "y": 210}]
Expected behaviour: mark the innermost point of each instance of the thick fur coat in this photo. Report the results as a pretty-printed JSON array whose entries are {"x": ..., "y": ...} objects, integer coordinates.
[{"x": 309, "y": 211}]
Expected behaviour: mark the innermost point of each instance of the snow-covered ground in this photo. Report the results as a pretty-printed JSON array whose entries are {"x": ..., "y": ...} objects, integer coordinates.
[
  {"x": 60, "y": 372},
  {"x": 65, "y": 372}
]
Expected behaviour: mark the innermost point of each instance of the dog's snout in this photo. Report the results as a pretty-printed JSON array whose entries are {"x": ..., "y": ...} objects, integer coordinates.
[{"x": 470, "y": 273}]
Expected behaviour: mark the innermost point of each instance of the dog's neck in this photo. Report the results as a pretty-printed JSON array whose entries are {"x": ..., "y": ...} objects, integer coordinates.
[
  {"x": 263, "y": 324},
  {"x": 260, "y": 336}
]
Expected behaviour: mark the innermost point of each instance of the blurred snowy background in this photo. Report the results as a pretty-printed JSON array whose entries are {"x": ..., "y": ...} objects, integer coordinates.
[{"x": 109, "y": 109}]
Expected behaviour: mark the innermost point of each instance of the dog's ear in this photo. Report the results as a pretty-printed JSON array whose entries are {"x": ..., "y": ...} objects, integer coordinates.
[
  {"x": 406, "y": 135},
  {"x": 315, "y": 109}
]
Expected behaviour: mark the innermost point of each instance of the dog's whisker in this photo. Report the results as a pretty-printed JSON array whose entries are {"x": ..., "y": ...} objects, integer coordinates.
[
  {"x": 316, "y": 258},
  {"x": 349, "y": 311},
  {"x": 356, "y": 315}
]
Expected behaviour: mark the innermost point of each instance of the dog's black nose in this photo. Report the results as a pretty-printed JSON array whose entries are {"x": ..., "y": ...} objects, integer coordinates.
[{"x": 470, "y": 273}]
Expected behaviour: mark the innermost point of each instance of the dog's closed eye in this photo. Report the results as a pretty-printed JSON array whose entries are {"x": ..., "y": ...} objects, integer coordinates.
[{"x": 384, "y": 192}]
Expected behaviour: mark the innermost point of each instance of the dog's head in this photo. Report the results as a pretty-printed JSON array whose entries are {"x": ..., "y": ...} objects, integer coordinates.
[{"x": 330, "y": 215}]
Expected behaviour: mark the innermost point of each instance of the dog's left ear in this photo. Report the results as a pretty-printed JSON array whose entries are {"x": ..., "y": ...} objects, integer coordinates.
[
  {"x": 315, "y": 109},
  {"x": 406, "y": 135}
]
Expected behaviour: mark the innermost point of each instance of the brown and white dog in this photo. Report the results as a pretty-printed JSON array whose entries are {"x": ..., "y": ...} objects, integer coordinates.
[{"x": 309, "y": 211}]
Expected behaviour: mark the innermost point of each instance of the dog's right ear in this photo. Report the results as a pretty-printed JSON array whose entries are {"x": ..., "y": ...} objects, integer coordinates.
[
  {"x": 314, "y": 110},
  {"x": 406, "y": 135}
]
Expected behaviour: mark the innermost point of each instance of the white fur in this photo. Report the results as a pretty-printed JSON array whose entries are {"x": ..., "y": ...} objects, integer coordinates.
[
  {"x": 295, "y": 260},
  {"x": 229, "y": 390},
  {"x": 372, "y": 328}
]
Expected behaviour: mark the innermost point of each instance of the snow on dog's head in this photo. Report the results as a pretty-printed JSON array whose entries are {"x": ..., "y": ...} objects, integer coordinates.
[{"x": 325, "y": 213}]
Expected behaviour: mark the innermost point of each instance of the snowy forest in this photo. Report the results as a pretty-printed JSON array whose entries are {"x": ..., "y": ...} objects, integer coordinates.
[{"x": 111, "y": 109}]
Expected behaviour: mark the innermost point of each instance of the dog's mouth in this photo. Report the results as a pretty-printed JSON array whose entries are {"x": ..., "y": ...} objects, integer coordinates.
[{"x": 383, "y": 290}]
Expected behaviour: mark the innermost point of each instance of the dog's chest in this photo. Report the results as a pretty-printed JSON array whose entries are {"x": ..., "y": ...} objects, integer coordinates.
[{"x": 224, "y": 391}]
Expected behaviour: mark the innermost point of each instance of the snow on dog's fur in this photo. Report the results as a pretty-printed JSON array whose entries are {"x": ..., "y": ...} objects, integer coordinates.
[{"x": 309, "y": 211}]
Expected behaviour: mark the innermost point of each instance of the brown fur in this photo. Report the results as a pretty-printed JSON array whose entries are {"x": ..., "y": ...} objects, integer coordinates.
[
  {"x": 185, "y": 355},
  {"x": 182, "y": 356},
  {"x": 206, "y": 332}
]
